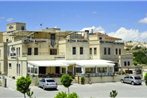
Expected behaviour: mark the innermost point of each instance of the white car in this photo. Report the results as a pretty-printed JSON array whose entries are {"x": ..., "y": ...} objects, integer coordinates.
[
  {"x": 132, "y": 79},
  {"x": 48, "y": 83}
]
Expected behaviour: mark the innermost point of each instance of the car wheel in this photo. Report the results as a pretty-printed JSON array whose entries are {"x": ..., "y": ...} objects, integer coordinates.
[
  {"x": 44, "y": 87},
  {"x": 121, "y": 81},
  {"x": 132, "y": 83}
]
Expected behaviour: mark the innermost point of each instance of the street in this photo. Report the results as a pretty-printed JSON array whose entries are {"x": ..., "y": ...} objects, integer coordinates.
[{"x": 97, "y": 90}]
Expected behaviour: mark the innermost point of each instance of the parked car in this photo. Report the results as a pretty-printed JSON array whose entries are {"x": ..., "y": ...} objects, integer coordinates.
[
  {"x": 132, "y": 79},
  {"x": 48, "y": 83}
]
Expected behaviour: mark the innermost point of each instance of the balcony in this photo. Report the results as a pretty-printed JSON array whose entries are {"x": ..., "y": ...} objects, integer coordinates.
[{"x": 43, "y": 56}]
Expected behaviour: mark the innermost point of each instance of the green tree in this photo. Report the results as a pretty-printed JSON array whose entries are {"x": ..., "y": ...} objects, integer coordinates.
[
  {"x": 145, "y": 78},
  {"x": 66, "y": 81},
  {"x": 113, "y": 93},
  {"x": 140, "y": 57},
  {"x": 23, "y": 84}
]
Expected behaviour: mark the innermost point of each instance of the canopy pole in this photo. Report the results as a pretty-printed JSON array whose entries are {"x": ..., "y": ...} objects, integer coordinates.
[
  {"x": 96, "y": 69},
  {"x": 83, "y": 70},
  {"x": 66, "y": 69}
]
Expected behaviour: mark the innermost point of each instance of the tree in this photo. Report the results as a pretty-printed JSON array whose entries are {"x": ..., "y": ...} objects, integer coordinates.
[
  {"x": 145, "y": 78},
  {"x": 113, "y": 93},
  {"x": 66, "y": 81},
  {"x": 23, "y": 84}
]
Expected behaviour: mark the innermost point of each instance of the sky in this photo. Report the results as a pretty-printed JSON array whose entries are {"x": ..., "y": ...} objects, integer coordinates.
[{"x": 124, "y": 19}]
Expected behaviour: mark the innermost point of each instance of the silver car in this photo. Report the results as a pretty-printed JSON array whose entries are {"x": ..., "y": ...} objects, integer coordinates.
[
  {"x": 48, "y": 83},
  {"x": 132, "y": 79}
]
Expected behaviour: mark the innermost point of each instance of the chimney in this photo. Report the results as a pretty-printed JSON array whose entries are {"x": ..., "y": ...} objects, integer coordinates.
[{"x": 86, "y": 35}]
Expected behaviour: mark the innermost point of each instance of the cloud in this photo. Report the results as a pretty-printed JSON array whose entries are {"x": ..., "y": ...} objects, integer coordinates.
[
  {"x": 9, "y": 19},
  {"x": 144, "y": 20},
  {"x": 94, "y": 29},
  {"x": 123, "y": 33},
  {"x": 2, "y": 18},
  {"x": 129, "y": 34}
]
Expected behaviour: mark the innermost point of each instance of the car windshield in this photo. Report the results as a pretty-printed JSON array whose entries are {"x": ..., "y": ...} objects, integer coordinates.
[
  {"x": 137, "y": 78},
  {"x": 50, "y": 80}
]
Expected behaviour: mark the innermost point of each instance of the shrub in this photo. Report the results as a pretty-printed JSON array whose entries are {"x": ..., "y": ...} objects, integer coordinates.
[
  {"x": 82, "y": 80},
  {"x": 61, "y": 95},
  {"x": 73, "y": 95},
  {"x": 145, "y": 78},
  {"x": 113, "y": 93},
  {"x": 64, "y": 95}
]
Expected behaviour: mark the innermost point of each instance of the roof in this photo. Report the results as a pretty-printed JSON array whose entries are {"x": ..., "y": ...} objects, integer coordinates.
[
  {"x": 106, "y": 36},
  {"x": 64, "y": 63}
]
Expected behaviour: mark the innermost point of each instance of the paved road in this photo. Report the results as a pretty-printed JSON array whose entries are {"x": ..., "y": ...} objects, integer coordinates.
[{"x": 98, "y": 90}]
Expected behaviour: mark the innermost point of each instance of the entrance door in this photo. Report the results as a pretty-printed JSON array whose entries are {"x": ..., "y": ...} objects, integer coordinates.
[
  {"x": 58, "y": 70},
  {"x": 42, "y": 70}
]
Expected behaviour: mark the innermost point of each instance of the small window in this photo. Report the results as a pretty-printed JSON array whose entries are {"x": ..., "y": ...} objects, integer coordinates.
[
  {"x": 128, "y": 63},
  {"x": 109, "y": 51},
  {"x": 81, "y": 50},
  {"x": 119, "y": 51},
  {"x": 53, "y": 51},
  {"x": 7, "y": 40},
  {"x": 125, "y": 63},
  {"x": 90, "y": 50},
  {"x": 105, "y": 51},
  {"x": 95, "y": 51},
  {"x": 22, "y": 28},
  {"x": 10, "y": 66},
  {"x": 35, "y": 51},
  {"x": 74, "y": 50},
  {"x": 29, "y": 51},
  {"x": 116, "y": 51}
]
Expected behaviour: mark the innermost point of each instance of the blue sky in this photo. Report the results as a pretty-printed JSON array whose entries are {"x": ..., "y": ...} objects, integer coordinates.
[{"x": 75, "y": 15}]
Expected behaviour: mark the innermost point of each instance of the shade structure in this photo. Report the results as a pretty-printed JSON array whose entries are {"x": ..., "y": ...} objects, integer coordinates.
[
  {"x": 47, "y": 63},
  {"x": 82, "y": 63},
  {"x": 94, "y": 63}
]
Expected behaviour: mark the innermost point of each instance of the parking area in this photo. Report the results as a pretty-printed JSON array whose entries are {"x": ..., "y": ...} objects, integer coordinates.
[{"x": 97, "y": 90}]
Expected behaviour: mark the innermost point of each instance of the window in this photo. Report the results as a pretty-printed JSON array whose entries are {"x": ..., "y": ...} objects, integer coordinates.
[
  {"x": 18, "y": 51},
  {"x": 105, "y": 51},
  {"x": 29, "y": 51},
  {"x": 52, "y": 37},
  {"x": 100, "y": 38},
  {"x": 74, "y": 50},
  {"x": 7, "y": 40},
  {"x": 128, "y": 63},
  {"x": 125, "y": 63},
  {"x": 10, "y": 66},
  {"x": 53, "y": 51},
  {"x": 81, "y": 50},
  {"x": 119, "y": 51},
  {"x": 109, "y": 51},
  {"x": 95, "y": 50},
  {"x": 90, "y": 50},
  {"x": 18, "y": 69},
  {"x": 116, "y": 51},
  {"x": 35, "y": 51},
  {"x": 22, "y": 28}
]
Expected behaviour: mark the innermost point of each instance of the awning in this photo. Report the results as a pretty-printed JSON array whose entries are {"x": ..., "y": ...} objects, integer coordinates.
[
  {"x": 47, "y": 63},
  {"x": 82, "y": 63}
]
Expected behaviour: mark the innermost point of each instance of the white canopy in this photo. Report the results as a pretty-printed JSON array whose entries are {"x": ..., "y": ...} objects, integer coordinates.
[{"x": 82, "y": 63}]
